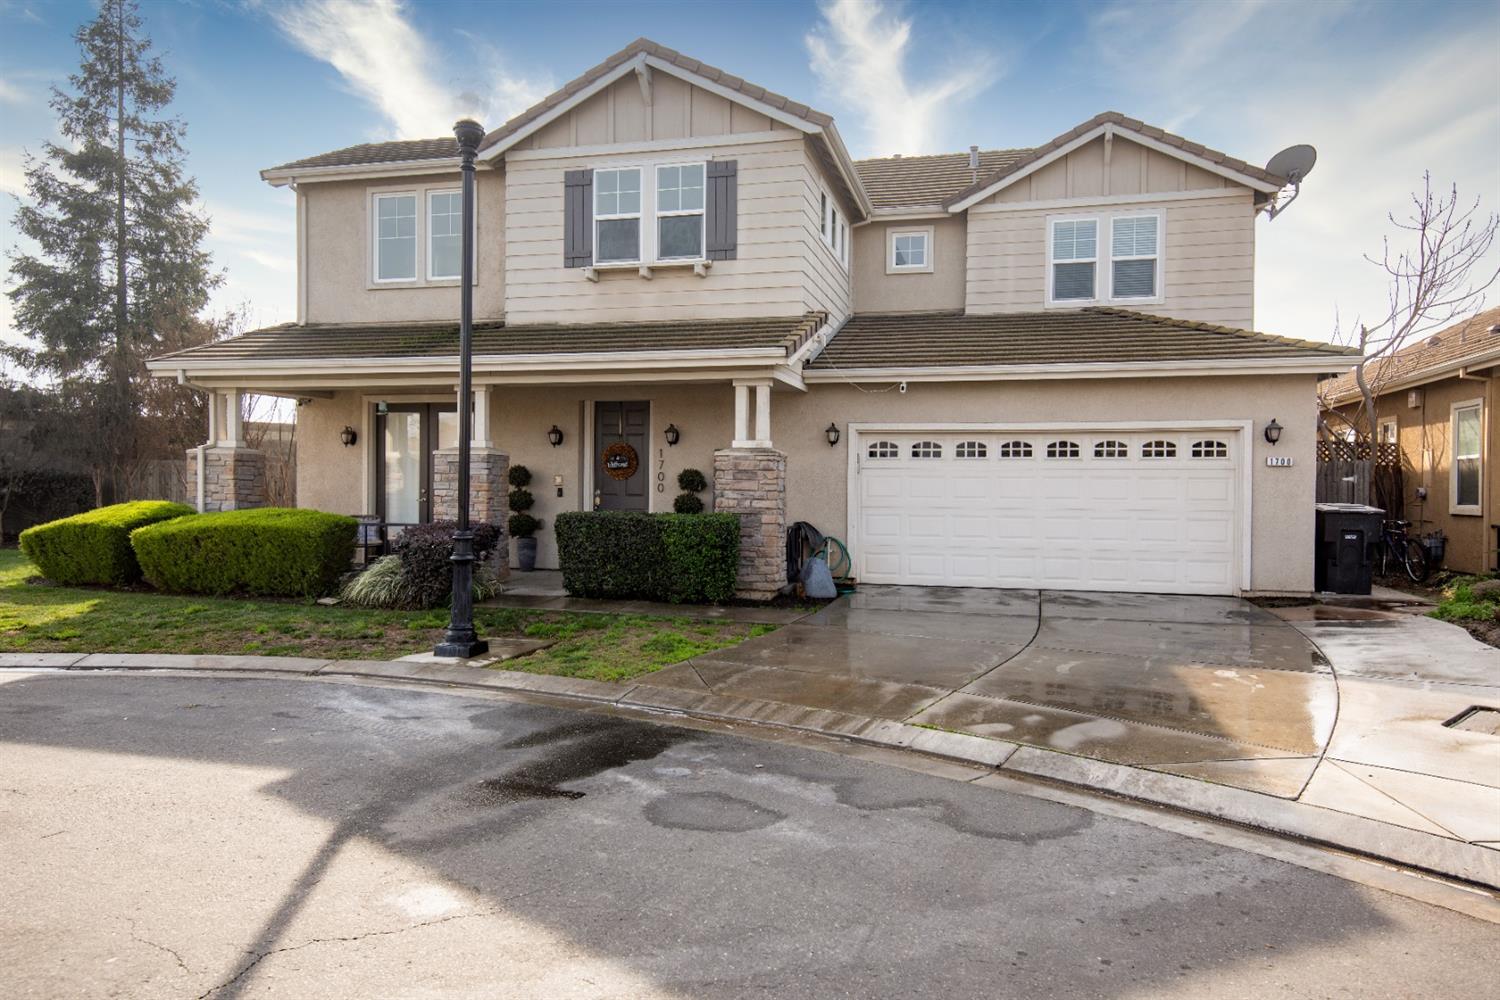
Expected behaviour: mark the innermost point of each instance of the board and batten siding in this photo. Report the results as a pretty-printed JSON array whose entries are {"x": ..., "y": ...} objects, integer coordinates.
[
  {"x": 1208, "y": 238},
  {"x": 780, "y": 266}
]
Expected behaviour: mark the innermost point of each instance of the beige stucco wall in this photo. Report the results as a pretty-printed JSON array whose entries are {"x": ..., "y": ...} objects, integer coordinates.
[
  {"x": 339, "y": 265},
  {"x": 1425, "y": 433},
  {"x": 943, "y": 288},
  {"x": 1282, "y": 498},
  {"x": 332, "y": 477},
  {"x": 1208, "y": 239}
]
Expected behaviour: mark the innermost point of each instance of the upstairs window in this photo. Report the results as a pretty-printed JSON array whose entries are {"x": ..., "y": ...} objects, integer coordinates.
[
  {"x": 1075, "y": 259},
  {"x": 444, "y": 234},
  {"x": 617, "y": 215},
  {"x": 396, "y": 237},
  {"x": 1468, "y": 439},
  {"x": 910, "y": 251},
  {"x": 1133, "y": 256},
  {"x": 679, "y": 212}
]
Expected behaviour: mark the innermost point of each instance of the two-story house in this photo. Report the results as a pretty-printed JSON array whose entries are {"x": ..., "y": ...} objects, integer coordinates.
[{"x": 1009, "y": 368}]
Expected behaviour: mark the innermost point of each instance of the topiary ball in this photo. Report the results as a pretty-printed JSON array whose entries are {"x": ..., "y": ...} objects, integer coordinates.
[
  {"x": 520, "y": 500},
  {"x": 518, "y": 475},
  {"x": 692, "y": 481},
  {"x": 687, "y": 503}
]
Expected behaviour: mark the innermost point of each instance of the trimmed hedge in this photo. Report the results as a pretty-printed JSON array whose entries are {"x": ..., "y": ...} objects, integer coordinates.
[
  {"x": 426, "y": 554},
  {"x": 94, "y": 547},
  {"x": 682, "y": 558},
  {"x": 266, "y": 551}
]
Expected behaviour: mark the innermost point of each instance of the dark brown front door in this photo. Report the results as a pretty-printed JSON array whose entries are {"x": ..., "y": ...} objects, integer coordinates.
[{"x": 621, "y": 461}]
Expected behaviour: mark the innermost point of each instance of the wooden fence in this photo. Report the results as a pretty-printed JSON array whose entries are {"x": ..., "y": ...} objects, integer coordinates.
[{"x": 1350, "y": 472}]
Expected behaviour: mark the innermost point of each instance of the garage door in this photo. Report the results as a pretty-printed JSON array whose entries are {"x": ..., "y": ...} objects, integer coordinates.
[{"x": 1152, "y": 511}]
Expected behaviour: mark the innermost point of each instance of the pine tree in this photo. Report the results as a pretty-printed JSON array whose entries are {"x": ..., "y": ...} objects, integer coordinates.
[{"x": 120, "y": 273}]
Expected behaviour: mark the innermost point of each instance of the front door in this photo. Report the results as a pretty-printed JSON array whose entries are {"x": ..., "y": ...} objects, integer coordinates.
[
  {"x": 408, "y": 433},
  {"x": 620, "y": 455}
]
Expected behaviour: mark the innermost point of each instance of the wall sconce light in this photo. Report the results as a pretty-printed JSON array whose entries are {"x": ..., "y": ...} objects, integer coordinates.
[
  {"x": 348, "y": 435},
  {"x": 673, "y": 434},
  {"x": 555, "y": 435},
  {"x": 1273, "y": 431},
  {"x": 832, "y": 433}
]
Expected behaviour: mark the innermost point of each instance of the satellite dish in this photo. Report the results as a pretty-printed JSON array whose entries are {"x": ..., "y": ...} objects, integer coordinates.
[{"x": 1293, "y": 163}]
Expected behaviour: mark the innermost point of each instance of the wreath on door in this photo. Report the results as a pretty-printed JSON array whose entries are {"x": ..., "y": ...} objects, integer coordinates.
[{"x": 621, "y": 461}]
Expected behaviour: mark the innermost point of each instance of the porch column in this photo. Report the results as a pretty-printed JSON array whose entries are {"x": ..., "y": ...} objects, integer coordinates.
[
  {"x": 481, "y": 435},
  {"x": 751, "y": 483},
  {"x": 742, "y": 438},
  {"x": 234, "y": 476},
  {"x": 763, "y": 415},
  {"x": 741, "y": 416}
]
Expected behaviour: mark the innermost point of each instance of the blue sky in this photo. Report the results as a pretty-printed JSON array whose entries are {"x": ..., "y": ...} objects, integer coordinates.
[{"x": 1384, "y": 90}]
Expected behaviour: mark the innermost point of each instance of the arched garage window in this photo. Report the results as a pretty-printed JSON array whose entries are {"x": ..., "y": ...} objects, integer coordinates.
[
  {"x": 1015, "y": 449},
  {"x": 926, "y": 449},
  {"x": 1159, "y": 449},
  {"x": 884, "y": 449},
  {"x": 971, "y": 449},
  {"x": 1111, "y": 449},
  {"x": 1210, "y": 449},
  {"x": 1063, "y": 449}
]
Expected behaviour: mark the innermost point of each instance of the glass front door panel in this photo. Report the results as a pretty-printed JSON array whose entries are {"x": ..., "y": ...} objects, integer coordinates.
[{"x": 403, "y": 468}]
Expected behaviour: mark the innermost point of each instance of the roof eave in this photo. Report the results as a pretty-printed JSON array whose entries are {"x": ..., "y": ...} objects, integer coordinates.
[
  {"x": 1093, "y": 370},
  {"x": 282, "y": 176},
  {"x": 1424, "y": 376}
]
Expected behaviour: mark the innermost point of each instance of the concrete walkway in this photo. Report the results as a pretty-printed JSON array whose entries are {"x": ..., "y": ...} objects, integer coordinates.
[
  {"x": 1324, "y": 723},
  {"x": 542, "y": 589}
]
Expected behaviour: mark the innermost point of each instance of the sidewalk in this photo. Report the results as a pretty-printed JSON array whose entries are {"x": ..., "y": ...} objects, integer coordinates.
[{"x": 1391, "y": 780}]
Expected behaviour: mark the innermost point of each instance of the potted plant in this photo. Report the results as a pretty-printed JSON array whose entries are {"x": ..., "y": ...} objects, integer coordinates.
[
  {"x": 691, "y": 482},
  {"x": 521, "y": 525}
]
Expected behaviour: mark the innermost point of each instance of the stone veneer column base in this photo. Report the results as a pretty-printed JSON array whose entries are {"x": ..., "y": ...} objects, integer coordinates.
[
  {"x": 751, "y": 482},
  {"x": 233, "y": 478},
  {"x": 488, "y": 492}
]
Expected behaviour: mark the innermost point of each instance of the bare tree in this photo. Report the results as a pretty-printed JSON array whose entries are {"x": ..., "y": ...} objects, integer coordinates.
[{"x": 1440, "y": 276}]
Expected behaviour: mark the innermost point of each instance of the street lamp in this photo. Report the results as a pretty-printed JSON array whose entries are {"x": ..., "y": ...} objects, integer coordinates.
[{"x": 461, "y": 640}]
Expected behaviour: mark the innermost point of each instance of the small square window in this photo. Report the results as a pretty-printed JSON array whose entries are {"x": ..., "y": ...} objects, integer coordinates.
[{"x": 909, "y": 251}]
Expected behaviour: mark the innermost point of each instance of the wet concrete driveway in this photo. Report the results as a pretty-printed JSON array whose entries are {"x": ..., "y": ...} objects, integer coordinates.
[{"x": 1209, "y": 687}]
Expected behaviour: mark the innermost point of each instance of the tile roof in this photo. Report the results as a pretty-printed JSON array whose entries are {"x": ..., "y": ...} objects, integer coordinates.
[
  {"x": 665, "y": 54},
  {"x": 910, "y": 181},
  {"x": 1135, "y": 125},
  {"x": 1435, "y": 355},
  {"x": 379, "y": 152},
  {"x": 291, "y": 341},
  {"x": 1096, "y": 335}
]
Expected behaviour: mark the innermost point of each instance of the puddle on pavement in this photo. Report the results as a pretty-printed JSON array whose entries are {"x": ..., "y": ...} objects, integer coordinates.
[
  {"x": 709, "y": 812},
  {"x": 574, "y": 751}
]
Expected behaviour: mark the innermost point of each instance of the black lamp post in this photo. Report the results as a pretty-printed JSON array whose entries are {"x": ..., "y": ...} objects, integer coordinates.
[{"x": 461, "y": 640}]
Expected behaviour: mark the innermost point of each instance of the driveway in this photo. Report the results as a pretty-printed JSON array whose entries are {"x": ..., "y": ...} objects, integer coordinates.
[
  {"x": 226, "y": 837},
  {"x": 1204, "y": 686}
]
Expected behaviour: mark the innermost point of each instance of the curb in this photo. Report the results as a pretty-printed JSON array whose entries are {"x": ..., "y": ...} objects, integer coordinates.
[{"x": 1283, "y": 817}]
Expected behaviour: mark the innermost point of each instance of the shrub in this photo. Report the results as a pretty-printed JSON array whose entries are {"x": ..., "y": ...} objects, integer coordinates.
[
  {"x": 270, "y": 551},
  {"x": 385, "y": 585},
  {"x": 518, "y": 476},
  {"x": 520, "y": 500},
  {"x": 94, "y": 547},
  {"x": 426, "y": 553},
  {"x": 687, "y": 503},
  {"x": 682, "y": 558},
  {"x": 691, "y": 481},
  {"x": 523, "y": 525}
]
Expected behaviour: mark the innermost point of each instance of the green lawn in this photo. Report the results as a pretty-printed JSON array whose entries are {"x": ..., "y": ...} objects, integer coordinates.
[{"x": 42, "y": 618}]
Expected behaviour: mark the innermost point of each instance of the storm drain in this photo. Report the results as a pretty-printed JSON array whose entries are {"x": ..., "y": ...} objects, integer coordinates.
[{"x": 1477, "y": 719}]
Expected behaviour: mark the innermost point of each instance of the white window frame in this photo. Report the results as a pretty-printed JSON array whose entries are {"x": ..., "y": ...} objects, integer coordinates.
[
  {"x": 657, "y": 214},
  {"x": 1103, "y": 260},
  {"x": 426, "y": 220},
  {"x": 1395, "y": 431},
  {"x": 1454, "y": 507},
  {"x": 376, "y": 197},
  {"x": 1097, "y": 260},
  {"x": 1109, "y": 278},
  {"x": 641, "y": 215},
  {"x": 928, "y": 233}
]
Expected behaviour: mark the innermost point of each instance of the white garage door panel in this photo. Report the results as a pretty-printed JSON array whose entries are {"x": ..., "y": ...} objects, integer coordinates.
[{"x": 1154, "y": 520}]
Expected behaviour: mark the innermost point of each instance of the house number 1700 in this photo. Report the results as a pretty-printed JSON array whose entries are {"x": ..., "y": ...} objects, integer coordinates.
[{"x": 661, "y": 470}]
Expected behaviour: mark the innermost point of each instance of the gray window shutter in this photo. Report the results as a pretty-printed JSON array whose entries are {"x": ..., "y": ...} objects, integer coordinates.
[
  {"x": 578, "y": 218},
  {"x": 722, "y": 201}
]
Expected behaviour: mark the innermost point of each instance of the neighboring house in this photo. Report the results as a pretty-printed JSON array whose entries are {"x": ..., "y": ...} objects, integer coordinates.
[
  {"x": 1437, "y": 400},
  {"x": 1015, "y": 368}
]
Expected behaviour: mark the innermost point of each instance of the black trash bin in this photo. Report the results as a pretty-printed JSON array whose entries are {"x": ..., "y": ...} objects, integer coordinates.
[{"x": 1347, "y": 535}]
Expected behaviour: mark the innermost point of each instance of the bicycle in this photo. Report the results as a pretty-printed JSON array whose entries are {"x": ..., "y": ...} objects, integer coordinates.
[{"x": 1397, "y": 548}]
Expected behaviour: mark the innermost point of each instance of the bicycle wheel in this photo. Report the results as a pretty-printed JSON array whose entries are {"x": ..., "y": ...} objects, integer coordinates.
[{"x": 1414, "y": 559}]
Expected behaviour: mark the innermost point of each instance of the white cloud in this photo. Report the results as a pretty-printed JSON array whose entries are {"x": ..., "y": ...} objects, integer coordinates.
[
  {"x": 12, "y": 172},
  {"x": 860, "y": 52},
  {"x": 386, "y": 61},
  {"x": 1380, "y": 105},
  {"x": 10, "y": 93}
]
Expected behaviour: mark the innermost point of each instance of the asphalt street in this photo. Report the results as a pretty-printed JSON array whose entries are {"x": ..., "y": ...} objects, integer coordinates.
[{"x": 223, "y": 837}]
